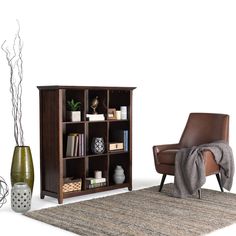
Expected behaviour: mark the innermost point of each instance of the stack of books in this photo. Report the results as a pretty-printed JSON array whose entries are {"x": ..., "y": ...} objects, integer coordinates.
[
  {"x": 95, "y": 117},
  {"x": 75, "y": 145},
  {"x": 95, "y": 182}
]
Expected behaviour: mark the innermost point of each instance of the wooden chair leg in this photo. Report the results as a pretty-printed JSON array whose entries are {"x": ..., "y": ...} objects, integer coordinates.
[
  {"x": 219, "y": 181},
  {"x": 162, "y": 182},
  {"x": 199, "y": 193}
]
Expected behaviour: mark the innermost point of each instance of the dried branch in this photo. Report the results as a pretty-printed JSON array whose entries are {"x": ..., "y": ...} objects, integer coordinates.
[{"x": 15, "y": 63}]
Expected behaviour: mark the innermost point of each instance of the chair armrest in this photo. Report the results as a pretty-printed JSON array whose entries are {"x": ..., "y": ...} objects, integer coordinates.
[{"x": 159, "y": 148}]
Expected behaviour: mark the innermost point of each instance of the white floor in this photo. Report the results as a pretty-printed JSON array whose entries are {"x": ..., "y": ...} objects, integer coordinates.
[{"x": 11, "y": 222}]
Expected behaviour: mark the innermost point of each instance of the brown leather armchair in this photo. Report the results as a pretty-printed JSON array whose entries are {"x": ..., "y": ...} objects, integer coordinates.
[{"x": 201, "y": 128}]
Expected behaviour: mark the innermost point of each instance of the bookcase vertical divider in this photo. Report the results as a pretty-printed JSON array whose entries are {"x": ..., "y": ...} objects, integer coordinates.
[
  {"x": 60, "y": 134},
  {"x": 108, "y": 156},
  {"x": 107, "y": 147},
  {"x": 86, "y": 169},
  {"x": 60, "y": 169},
  {"x": 130, "y": 139},
  {"x": 86, "y": 103}
]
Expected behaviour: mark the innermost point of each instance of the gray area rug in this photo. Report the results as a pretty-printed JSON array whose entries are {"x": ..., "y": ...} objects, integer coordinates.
[{"x": 144, "y": 212}]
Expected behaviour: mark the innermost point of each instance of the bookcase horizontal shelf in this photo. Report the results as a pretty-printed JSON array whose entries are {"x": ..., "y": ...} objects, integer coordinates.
[
  {"x": 94, "y": 190},
  {"x": 96, "y": 155},
  {"x": 118, "y": 152},
  {"x": 69, "y": 148},
  {"x": 75, "y": 157},
  {"x": 74, "y": 122},
  {"x": 118, "y": 120},
  {"x": 94, "y": 121}
]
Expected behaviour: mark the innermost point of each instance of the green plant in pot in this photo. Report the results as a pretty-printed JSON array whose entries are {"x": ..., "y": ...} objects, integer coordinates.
[
  {"x": 73, "y": 112},
  {"x": 22, "y": 169}
]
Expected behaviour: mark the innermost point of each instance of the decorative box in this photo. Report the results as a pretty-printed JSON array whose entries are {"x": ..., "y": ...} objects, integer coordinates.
[{"x": 71, "y": 185}]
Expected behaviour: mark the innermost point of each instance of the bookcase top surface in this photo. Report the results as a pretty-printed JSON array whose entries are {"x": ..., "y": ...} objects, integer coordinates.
[{"x": 54, "y": 87}]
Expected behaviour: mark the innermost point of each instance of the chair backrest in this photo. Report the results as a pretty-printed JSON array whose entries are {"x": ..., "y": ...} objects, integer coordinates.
[{"x": 204, "y": 128}]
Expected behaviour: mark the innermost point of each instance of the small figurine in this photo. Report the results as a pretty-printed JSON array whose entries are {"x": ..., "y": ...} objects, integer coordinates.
[{"x": 94, "y": 105}]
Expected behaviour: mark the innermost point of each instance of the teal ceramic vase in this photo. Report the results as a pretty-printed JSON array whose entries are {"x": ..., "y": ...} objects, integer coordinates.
[{"x": 22, "y": 168}]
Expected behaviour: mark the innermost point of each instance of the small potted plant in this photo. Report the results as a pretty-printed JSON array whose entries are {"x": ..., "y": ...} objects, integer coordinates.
[{"x": 73, "y": 112}]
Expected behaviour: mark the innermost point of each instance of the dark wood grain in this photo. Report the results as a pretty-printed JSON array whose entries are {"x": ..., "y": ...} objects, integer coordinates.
[
  {"x": 130, "y": 139},
  {"x": 55, "y": 127},
  {"x": 49, "y": 140},
  {"x": 50, "y": 87}
]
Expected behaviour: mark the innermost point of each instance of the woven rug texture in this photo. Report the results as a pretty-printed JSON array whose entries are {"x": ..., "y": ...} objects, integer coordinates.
[{"x": 144, "y": 212}]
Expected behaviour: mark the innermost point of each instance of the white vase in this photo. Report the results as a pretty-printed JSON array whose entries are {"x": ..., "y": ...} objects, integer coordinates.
[
  {"x": 98, "y": 145},
  {"x": 119, "y": 176},
  {"x": 74, "y": 116}
]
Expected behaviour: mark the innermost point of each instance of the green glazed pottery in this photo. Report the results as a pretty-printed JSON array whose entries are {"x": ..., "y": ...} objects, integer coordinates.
[{"x": 22, "y": 168}]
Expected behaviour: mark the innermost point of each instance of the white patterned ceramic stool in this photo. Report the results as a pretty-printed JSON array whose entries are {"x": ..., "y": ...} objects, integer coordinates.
[{"x": 20, "y": 197}]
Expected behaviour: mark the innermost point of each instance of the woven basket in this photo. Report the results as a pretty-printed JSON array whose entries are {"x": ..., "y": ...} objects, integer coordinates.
[{"x": 73, "y": 185}]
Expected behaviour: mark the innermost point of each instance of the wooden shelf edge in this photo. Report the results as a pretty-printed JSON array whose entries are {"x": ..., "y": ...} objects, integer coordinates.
[
  {"x": 71, "y": 158},
  {"x": 82, "y": 157},
  {"x": 95, "y": 190},
  {"x": 52, "y": 87},
  {"x": 117, "y": 152},
  {"x": 97, "y": 155},
  {"x": 92, "y": 121},
  {"x": 49, "y": 193}
]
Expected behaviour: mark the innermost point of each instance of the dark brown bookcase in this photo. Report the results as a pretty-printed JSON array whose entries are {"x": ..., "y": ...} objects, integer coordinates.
[{"x": 55, "y": 166}]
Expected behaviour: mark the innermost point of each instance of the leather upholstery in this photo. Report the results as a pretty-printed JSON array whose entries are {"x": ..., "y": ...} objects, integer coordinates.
[
  {"x": 205, "y": 128},
  {"x": 201, "y": 128}
]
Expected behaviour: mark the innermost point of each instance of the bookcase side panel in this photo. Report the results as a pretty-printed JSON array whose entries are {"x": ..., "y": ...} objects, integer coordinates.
[
  {"x": 50, "y": 139},
  {"x": 130, "y": 139}
]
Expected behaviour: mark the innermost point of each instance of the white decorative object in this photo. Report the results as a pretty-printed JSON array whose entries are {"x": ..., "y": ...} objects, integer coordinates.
[
  {"x": 123, "y": 110},
  {"x": 98, "y": 174},
  {"x": 119, "y": 176},
  {"x": 118, "y": 115},
  {"x": 20, "y": 197},
  {"x": 74, "y": 116}
]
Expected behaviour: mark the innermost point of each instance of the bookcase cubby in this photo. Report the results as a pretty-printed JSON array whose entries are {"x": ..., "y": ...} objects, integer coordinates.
[{"x": 66, "y": 153}]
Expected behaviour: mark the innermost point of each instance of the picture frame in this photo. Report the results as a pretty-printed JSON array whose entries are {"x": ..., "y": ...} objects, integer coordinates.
[{"x": 111, "y": 114}]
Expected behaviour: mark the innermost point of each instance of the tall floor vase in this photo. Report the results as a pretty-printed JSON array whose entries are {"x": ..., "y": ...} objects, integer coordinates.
[{"x": 22, "y": 168}]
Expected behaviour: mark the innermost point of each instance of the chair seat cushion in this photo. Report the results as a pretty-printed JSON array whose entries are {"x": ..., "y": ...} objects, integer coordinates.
[
  {"x": 167, "y": 156},
  {"x": 211, "y": 167}
]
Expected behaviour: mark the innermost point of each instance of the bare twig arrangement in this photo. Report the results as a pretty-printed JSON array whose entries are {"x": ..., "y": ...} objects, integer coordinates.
[
  {"x": 15, "y": 62},
  {"x": 3, "y": 191}
]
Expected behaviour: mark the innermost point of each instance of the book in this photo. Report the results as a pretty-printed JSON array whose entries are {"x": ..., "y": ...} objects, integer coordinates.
[
  {"x": 95, "y": 180},
  {"x": 75, "y": 145},
  {"x": 97, "y": 185},
  {"x": 70, "y": 145},
  {"x": 82, "y": 152},
  {"x": 95, "y": 117},
  {"x": 126, "y": 140}
]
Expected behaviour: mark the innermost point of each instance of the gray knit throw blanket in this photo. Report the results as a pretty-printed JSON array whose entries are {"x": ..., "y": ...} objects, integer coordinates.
[{"x": 190, "y": 169}]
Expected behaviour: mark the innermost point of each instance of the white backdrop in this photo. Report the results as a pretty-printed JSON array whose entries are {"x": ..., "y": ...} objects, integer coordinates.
[{"x": 181, "y": 55}]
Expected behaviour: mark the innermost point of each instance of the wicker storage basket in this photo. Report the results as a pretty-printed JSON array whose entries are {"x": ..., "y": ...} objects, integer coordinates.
[{"x": 71, "y": 185}]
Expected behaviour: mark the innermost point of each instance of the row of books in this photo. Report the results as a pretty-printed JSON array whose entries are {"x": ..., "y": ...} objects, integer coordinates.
[
  {"x": 75, "y": 145},
  {"x": 95, "y": 182}
]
